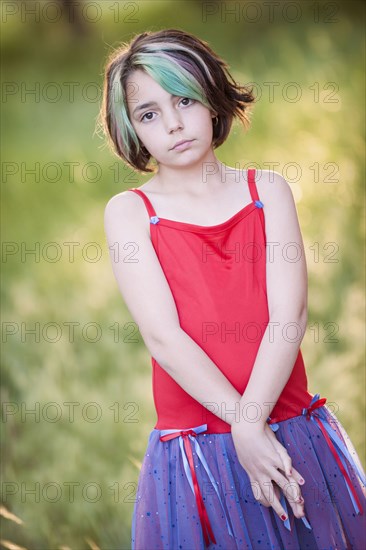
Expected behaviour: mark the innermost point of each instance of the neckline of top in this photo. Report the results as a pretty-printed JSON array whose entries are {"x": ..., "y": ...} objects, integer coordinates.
[
  {"x": 186, "y": 226},
  {"x": 207, "y": 228}
]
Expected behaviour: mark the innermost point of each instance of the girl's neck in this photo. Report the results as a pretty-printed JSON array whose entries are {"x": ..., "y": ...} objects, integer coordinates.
[{"x": 196, "y": 180}]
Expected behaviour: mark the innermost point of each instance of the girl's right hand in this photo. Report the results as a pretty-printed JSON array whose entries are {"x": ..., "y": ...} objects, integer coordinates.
[{"x": 267, "y": 461}]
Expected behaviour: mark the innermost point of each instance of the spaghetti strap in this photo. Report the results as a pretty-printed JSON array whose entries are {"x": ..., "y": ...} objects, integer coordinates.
[
  {"x": 253, "y": 188},
  {"x": 150, "y": 209}
]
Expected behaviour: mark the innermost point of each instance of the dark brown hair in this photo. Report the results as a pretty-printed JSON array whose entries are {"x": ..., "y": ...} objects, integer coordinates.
[{"x": 183, "y": 65}]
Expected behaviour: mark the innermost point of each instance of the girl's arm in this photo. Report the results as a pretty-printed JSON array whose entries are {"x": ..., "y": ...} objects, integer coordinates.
[
  {"x": 286, "y": 276},
  {"x": 287, "y": 284}
]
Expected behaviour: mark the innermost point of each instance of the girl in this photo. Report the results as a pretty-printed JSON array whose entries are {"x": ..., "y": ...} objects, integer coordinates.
[{"x": 241, "y": 455}]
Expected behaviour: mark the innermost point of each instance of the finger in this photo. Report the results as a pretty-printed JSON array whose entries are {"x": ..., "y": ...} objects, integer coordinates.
[
  {"x": 268, "y": 494},
  {"x": 284, "y": 478},
  {"x": 298, "y": 509},
  {"x": 276, "y": 504},
  {"x": 258, "y": 493},
  {"x": 263, "y": 492},
  {"x": 297, "y": 476},
  {"x": 291, "y": 491},
  {"x": 282, "y": 453},
  {"x": 285, "y": 458},
  {"x": 289, "y": 487}
]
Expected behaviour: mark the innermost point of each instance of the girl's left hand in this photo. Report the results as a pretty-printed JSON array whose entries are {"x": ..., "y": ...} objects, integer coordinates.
[
  {"x": 267, "y": 463},
  {"x": 294, "y": 476},
  {"x": 286, "y": 459}
]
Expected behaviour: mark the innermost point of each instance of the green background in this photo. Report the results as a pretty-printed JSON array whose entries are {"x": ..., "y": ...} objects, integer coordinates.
[{"x": 57, "y": 176}]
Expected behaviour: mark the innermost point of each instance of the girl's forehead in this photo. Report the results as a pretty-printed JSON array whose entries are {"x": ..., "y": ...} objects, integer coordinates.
[
  {"x": 142, "y": 87},
  {"x": 140, "y": 76}
]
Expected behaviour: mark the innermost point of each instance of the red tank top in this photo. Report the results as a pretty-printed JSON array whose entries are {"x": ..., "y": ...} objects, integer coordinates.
[{"x": 217, "y": 275}]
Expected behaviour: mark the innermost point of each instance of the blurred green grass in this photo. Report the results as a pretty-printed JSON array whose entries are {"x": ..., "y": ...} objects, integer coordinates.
[{"x": 317, "y": 136}]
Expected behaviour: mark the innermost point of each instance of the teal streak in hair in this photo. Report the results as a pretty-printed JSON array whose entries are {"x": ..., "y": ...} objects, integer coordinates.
[
  {"x": 123, "y": 126},
  {"x": 161, "y": 46},
  {"x": 171, "y": 76}
]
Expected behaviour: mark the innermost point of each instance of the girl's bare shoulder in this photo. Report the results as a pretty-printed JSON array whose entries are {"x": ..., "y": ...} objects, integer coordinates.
[
  {"x": 272, "y": 187},
  {"x": 126, "y": 209}
]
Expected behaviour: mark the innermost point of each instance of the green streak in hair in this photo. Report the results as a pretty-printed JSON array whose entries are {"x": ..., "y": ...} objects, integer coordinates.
[{"x": 171, "y": 76}]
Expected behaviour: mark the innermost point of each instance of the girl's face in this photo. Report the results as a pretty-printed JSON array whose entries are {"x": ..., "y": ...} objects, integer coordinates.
[{"x": 166, "y": 120}]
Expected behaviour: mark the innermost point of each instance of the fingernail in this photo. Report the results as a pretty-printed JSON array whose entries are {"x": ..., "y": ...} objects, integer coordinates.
[
  {"x": 301, "y": 480},
  {"x": 283, "y": 517}
]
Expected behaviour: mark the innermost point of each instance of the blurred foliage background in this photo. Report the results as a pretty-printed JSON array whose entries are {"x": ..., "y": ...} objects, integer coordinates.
[{"x": 76, "y": 375}]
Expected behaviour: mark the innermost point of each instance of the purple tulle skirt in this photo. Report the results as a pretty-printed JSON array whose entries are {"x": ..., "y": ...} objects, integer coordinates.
[{"x": 168, "y": 515}]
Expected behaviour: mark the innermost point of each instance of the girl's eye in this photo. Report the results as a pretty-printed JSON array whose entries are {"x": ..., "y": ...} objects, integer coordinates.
[
  {"x": 188, "y": 98},
  {"x": 151, "y": 113}
]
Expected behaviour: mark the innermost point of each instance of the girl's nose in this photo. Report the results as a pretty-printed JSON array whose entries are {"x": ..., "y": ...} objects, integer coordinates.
[
  {"x": 174, "y": 125},
  {"x": 173, "y": 122}
]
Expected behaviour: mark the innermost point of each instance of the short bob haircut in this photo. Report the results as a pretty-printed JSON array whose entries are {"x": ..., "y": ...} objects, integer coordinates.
[{"x": 184, "y": 66}]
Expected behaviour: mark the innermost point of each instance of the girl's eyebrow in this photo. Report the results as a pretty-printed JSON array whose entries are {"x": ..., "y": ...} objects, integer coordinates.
[
  {"x": 144, "y": 105},
  {"x": 148, "y": 104}
]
